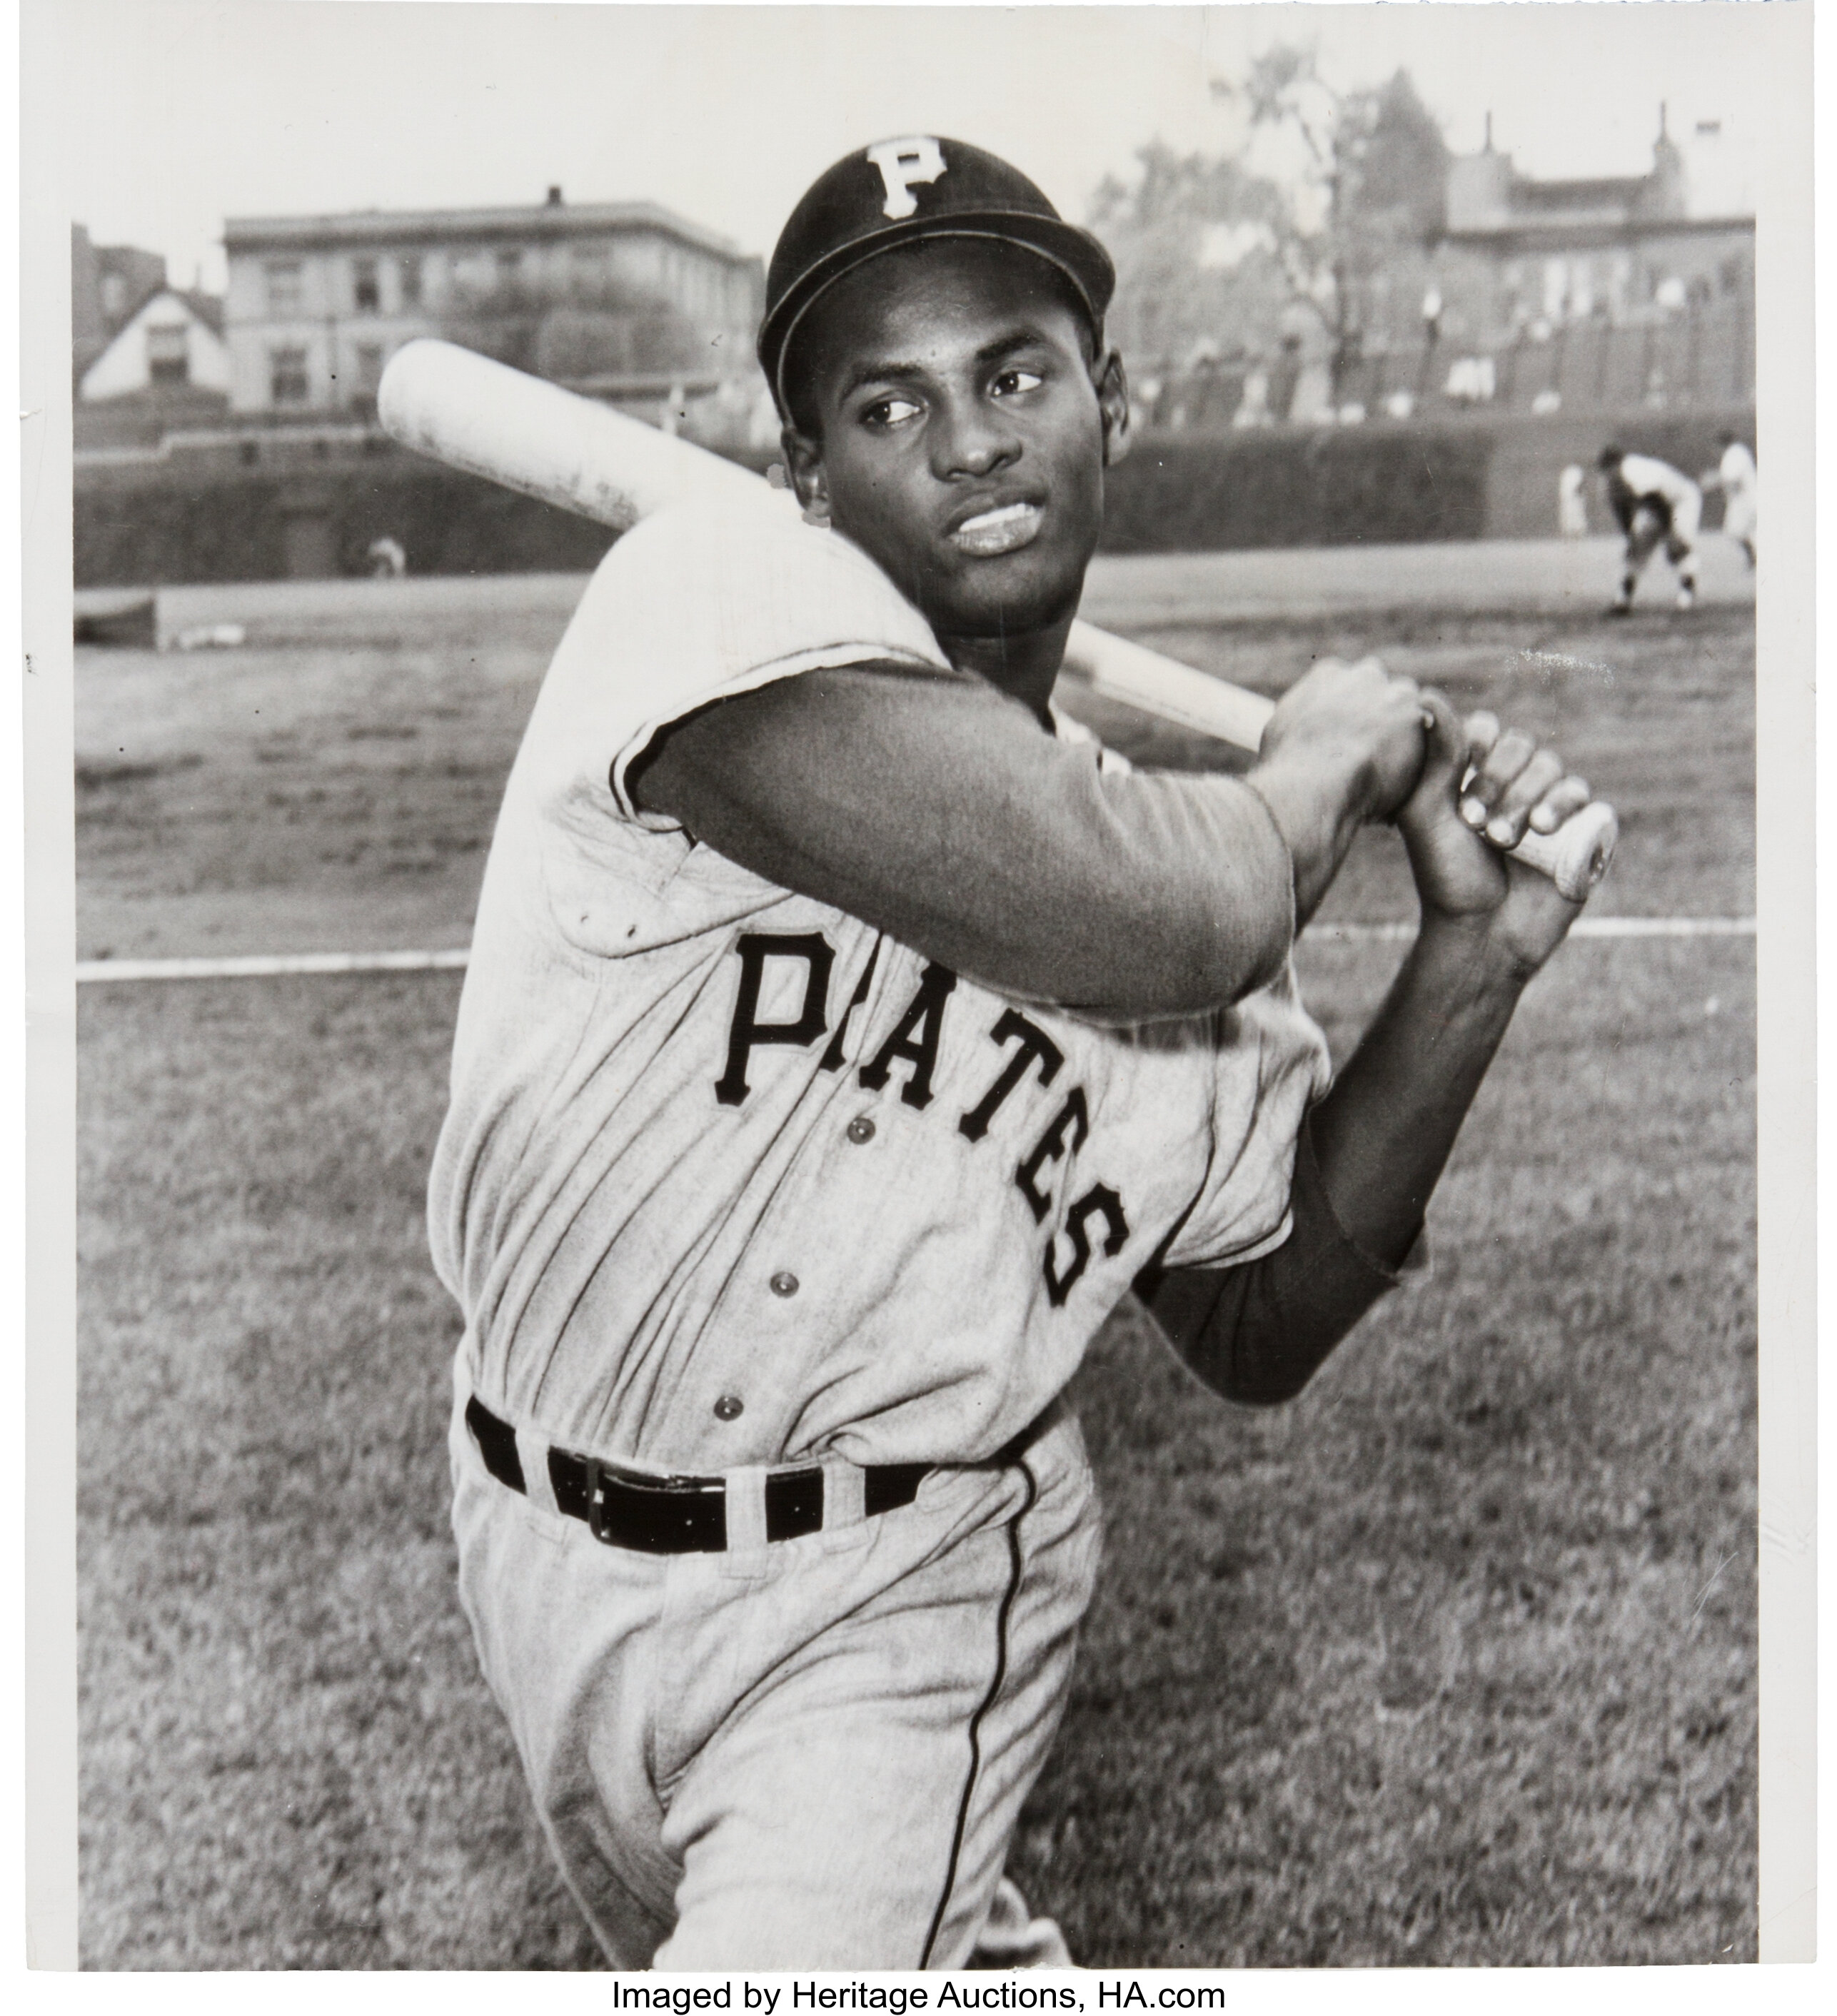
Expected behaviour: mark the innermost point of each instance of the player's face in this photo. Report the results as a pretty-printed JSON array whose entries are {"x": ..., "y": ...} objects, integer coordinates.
[{"x": 963, "y": 432}]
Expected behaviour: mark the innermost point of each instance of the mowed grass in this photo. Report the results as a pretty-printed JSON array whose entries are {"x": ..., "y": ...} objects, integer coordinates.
[{"x": 1450, "y": 1661}]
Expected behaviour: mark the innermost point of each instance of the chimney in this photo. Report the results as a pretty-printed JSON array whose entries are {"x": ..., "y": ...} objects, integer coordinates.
[
  {"x": 1488, "y": 148},
  {"x": 554, "y": 196}
]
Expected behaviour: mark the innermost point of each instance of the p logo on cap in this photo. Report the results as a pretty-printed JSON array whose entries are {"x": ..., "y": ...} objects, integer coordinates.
[{"x": 902, "y": 162}]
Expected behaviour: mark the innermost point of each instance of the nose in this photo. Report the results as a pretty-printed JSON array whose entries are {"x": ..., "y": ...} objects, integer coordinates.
[{"x": 975, "y": 440}]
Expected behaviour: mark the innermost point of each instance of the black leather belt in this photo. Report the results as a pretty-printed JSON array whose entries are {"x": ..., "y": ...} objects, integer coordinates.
[{"x": 676, "y": 1515}]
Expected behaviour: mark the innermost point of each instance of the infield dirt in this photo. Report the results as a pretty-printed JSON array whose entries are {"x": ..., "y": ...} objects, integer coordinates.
[{"x": 1451, "y": 1660}]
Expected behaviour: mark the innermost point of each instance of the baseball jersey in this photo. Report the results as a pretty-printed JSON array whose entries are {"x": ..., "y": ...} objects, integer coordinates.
[
  {"x": 730, "y": 1177},
  {"x": 1736, "y": 471},
  {"x": 1645, "y": 476}
]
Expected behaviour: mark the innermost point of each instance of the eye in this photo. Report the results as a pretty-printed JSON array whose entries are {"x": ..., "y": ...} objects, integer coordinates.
[
  {"x": 1015, "y": 380},
  {"x": 893, "y": 411}
]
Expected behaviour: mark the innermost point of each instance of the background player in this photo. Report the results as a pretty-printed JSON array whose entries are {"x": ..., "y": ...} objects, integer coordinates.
[
  {"x": 1736, "y": 477},
  {"x": 843, "y": 1036},
  {"x": 1656, "y": 506}
]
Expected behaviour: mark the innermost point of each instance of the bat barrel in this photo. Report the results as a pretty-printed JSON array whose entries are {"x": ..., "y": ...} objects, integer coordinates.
[{"x": 475, "y": 414}]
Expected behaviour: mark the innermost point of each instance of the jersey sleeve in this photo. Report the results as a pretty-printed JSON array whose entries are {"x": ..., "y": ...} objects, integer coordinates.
[
  {"x": 1272, "y": 1064},
  {"x": 701, "y": 602}
]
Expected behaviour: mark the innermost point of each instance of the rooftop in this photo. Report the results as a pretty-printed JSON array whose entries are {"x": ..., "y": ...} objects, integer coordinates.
[{"x": 552, "y": 219}]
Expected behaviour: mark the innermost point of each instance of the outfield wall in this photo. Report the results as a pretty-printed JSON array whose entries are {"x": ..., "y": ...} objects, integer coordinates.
[
  {"x": 1386, "y": 482},
  {"x": 175, "y": 517}
]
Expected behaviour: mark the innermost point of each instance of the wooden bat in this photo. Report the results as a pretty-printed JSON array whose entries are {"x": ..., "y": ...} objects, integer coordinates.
[{"x": 471, "y": 413}]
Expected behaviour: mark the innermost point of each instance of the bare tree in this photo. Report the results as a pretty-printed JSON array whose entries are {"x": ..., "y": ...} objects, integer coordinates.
[
  {"x": 1374, "y": 187},
  {"x": 1200, "y": 271}
]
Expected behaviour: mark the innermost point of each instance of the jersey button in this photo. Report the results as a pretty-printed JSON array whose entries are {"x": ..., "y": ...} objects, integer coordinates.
[
  {"x": 730, "y": 1407},
  {"x": 860, "y": 1129},
  {"x": 784, "y": 1284}
]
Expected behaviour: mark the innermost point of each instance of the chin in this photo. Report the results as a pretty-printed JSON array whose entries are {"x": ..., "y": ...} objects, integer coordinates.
[{"x": 1017, "y": 592}]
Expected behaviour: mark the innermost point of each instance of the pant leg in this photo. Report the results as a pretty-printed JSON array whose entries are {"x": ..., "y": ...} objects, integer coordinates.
[
  {"x": 854, "y": 1810},
  {"x": 565, "y": 1631},
  {"x": 1651, "y": 528}
]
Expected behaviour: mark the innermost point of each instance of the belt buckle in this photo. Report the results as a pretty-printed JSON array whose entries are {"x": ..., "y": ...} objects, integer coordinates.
[{"x": 600, "y": 1475}]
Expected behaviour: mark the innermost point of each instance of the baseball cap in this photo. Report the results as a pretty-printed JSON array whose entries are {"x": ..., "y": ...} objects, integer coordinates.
[{"x": 896, "y": 192}]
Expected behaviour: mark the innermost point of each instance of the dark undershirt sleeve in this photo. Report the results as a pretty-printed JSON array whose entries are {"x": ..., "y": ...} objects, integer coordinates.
[
  {"x": 940, "y": 811},
  {"x": 1258, "y": 1333}
]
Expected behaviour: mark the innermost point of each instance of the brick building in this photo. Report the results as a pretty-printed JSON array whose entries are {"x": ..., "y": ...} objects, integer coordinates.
[
  {"x": 1524, "y": 256},
  {"x": 621, "y": 298}
]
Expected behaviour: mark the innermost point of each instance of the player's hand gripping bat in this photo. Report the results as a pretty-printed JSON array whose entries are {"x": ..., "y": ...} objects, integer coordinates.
[{"x": 472, "y": 414}]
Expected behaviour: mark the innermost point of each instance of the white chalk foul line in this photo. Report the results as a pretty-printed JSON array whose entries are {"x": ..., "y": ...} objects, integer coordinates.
[
  {"x": 269, "y": 966},
  {"x": 1583, "y": 927}
]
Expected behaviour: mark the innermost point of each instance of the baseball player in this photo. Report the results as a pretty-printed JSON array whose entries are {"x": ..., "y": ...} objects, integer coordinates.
[
  {"x": 845, "y": 1033},
  {"x": 1656, "y": 506},
  {"x": 1736, "y": 477}
]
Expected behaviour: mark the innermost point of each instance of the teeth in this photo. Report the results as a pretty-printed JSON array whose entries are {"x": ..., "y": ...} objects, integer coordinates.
[{"x": 1000, "y": 531}]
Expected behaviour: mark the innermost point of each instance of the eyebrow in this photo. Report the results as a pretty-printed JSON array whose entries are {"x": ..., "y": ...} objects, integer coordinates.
[{"x": 875, "y": 369}]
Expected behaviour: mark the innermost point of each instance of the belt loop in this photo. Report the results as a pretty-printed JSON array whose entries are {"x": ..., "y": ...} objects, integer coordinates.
[
  {"x": 845, "y": 1494},
  {"x": 746, "y": 1509},
  {"x": 532, "y": 1451}
]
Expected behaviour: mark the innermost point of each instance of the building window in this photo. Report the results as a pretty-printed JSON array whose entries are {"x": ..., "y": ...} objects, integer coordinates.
[
  {"x": 286, "y": 376},
  {"x": 283, "y": 286},
  {"x": 168, "y": 355},
  {"x": 408, "y": 270},
  {"x": 589, "y": 272},
  {"x": 114, "y": 296},
  {"x": 366, "y": 296},
  {"x": 368, "y": 358},
  {"x": 1581, "y": 290},
  {"x": 510, "y": 270}
]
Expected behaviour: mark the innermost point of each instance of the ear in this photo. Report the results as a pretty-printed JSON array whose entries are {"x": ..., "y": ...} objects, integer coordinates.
[
  {"x": 1112, "y": 386},
  {"x": 803, "y": 459}
]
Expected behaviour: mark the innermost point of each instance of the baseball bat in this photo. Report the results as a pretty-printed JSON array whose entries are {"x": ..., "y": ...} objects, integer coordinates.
[{"x": 474, "y": 414}]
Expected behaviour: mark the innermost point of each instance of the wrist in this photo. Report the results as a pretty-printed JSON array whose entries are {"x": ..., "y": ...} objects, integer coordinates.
[{"x": 1467, "y": 943}]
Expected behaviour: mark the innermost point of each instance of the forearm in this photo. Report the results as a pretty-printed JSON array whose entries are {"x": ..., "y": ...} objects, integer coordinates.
[
  {"x": 1384, "y": 1133},
  {"x": 940, "y": 812}
]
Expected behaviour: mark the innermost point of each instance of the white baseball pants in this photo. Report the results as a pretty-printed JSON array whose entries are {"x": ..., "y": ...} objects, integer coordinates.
[{"x": 803, "y": 1754}]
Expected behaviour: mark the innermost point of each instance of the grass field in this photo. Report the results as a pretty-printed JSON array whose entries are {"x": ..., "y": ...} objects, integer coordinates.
[{"x": 1450, "y": 1661}]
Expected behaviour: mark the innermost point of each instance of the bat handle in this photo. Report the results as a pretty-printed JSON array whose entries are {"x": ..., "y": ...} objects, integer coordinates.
[{"x": 1576, "y": 856}]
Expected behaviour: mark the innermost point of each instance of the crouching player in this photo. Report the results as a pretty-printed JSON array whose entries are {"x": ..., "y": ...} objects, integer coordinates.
[{"x": 1656, "y": 506}]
